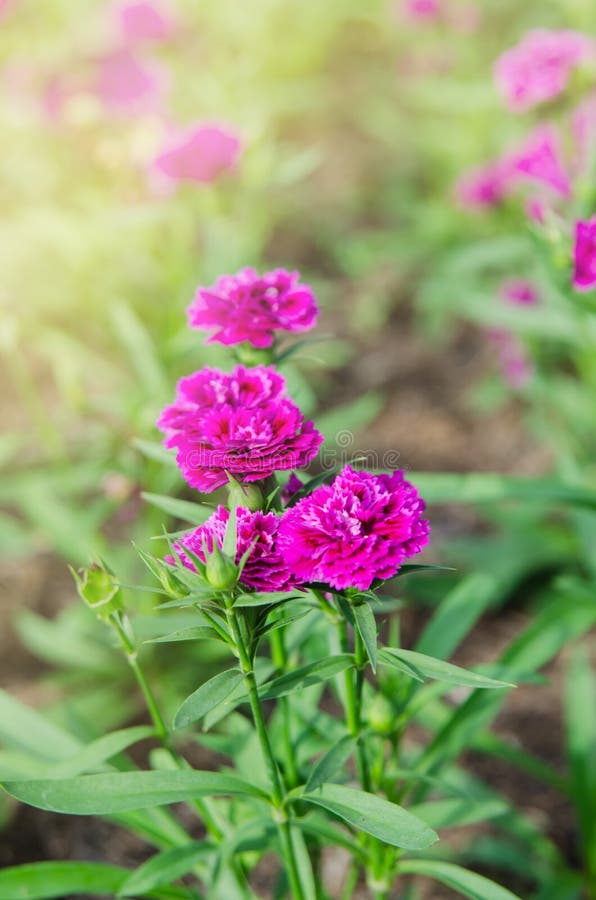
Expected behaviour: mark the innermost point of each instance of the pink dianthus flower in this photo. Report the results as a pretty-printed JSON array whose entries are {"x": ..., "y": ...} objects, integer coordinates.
[
  {"x": 540, "y": 160},
  {"x": 265, "y": 569},
  {"x": 251, "y": 307},
  {"x": 538, "y": 68},
  {"x": 242, "y": 423},
  {"x": 359, "y": 528},
  {"x": 584, "y": 255},
  {"x": 200, "y": 153}
]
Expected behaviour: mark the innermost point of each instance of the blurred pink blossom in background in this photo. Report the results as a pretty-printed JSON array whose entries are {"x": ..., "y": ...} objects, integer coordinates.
[
  {"x": 128, "y": 83},
  {"x": 584, "y": 255},
  {"x": 143, "y": 20},
  {"x": 539, "y": 67},
  {"x": 484, "y": 186},
  {"x": 420, "y": 9},
  {"x": 539, "y": 160},
  {"x": 515, "y": 366},
  {"x": 200, "y": 153},
  {"x": 519, "y": 291}
]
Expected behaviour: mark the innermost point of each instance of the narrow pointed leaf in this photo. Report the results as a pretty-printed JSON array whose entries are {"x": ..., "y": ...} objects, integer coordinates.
[
  {"x": 306, "y": 676},
  {"x": 207, "y": 697},
  {"x": 365, "y": 622},
  {"x": 102, "y": 795},
  {"x": 374, "y": 815},
  {"x": 440, "y": 670},
  {"x": 467, "y": 883},
  {"x": 164, "y": 868},
  {"x": 98, "y": 751},
  {"x": 195, "y": 513},
  {"x": 332, "y": 761}
]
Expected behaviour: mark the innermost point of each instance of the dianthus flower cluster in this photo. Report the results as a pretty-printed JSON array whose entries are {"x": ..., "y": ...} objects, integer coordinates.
[
  {"x": 240, "y": 423},
  {"x": 251, "y": 307},
  {"x": 241, "y": 426}
]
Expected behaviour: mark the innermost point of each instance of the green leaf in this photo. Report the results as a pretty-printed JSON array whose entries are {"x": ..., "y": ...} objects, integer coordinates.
[
  {"x": 207, "y": 697},
  {"x": 196, "y": 633},
  {"x": 439, "y": 670},
  {"x": 98, "y": 751},
  {"x": 195, "y": 513},
  {"x": 303, "y": 863},
  {"x": 306, "y": 676},
  {"x": 374, "y": 815},
  {"x": 331, "y": 762},
  {"x": 100, "y": 795},
  {"x": 164, "y": 868},
  {"x": 458, "y": 811},
  {"x": 42, "y": 880},
  {"x": 27, "y": 730},
  {"x": 155, "y": 451},
  {"x": 365, "y": 622},
  {"x": 580, "y": 728},
  {"x": 230, "y": 541},
  {"x": 467, "y": 883}
]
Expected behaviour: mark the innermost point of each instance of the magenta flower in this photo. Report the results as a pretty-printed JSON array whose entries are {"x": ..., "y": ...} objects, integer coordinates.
[
  {"x": 584, "y": 255},
  {"x": 127, "y": 83},
  {"x": 538, "y": 68},
  {"x": 242, "y": 423},
  {"x": 251, "y": 307},
  {"x": 520, "y": 292},
  {"x": 265, "y": 569},
  {"x": 540, "y": 160},
  {"x": 485, "y": 186},
  {"x": 140, "y": 21},
  {"x": 359, "y": 528},
  {"x": 201, "y": 153}
]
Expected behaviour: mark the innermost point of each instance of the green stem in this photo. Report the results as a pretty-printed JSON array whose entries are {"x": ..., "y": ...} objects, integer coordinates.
[
  {"x": 353, "y": 695},
  {"x": 280, "y": 659},
  {"x": 278, "y": 793},
  {"x": 161, "y": 728}
]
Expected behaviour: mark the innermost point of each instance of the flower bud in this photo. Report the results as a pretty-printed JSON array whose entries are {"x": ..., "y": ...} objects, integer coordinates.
[
  {"x": 381, "y": 715},
  {"x": 249, "y": 496},
  {"x": 99, "y": 589},
  {"x": 249, "y": 355},
  {"x": 220, "y": 570}
]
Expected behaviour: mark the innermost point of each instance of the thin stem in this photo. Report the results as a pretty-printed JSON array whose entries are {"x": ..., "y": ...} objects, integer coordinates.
[
  {"x": 278, "y": 793},
  {"x": 353, "y": 700},
  {"x": 280, "y": 659}
]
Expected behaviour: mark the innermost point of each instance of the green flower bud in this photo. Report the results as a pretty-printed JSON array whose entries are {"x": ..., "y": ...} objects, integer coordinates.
[
  {"x": 99, "y": 589},
  {"x": 220, "y": 570},
  {"x": 250, "y": 496},
  {"x": 254, "y": 356},
  {"x": 381, "y": 715}
]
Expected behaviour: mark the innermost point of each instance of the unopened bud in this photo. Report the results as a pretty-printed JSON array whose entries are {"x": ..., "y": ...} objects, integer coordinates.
[
  {"x": 381, "y": 715},
  {"x": 249, "y": 496},
  {"x": 254, "y": 356},
  {"x": 99, "y": 589},
  {"x": 220, "y": 570}
]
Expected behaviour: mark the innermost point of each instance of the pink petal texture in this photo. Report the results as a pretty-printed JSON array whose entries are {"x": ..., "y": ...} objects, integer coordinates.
[
  {"x": 241, "y": 422},
  {"x": 584, "y": 255},
  {"x": 539, "y": 67},
  {"x": 265, "y": 569},
  {"x": 201, "y": 153},
  {"x": 353, "y": 531},
  {"x": 248, "y": 307}
]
